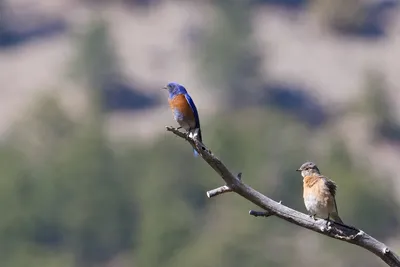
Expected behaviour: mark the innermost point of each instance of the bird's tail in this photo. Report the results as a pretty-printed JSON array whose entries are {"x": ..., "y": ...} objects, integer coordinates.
[{"x": 336, "y": 217}]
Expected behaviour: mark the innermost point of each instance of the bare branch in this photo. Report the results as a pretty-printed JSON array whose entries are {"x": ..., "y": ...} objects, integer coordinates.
[
  {"x": 218, "y": 191},
  {"x": 334, "y": 230}
]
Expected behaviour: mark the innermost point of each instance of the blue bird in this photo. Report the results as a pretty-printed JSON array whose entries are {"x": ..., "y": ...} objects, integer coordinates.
[{"x": 184, "y": 110}]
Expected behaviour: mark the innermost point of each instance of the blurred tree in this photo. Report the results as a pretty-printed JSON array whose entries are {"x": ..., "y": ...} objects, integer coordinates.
[
  {"x": 229, "y": 56},
  {"x": 96, "y": 60},
  {"x": 378, "y": 106},
  {"x": 97, "y": 66},
  {"x": 98, "y": 212},
  {"x": 96, "y": 63},
  {"x": 49, "y": 129},
  {"x": 2, "y": 16}
]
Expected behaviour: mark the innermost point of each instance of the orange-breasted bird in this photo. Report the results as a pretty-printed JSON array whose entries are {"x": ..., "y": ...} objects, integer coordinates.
[
  {"x": 319, "y": 193},
  {"x": 184, "y": 110}
]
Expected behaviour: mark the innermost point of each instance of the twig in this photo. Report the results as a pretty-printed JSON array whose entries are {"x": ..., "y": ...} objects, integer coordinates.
[
  {"x": 256, "y": 213},
  {"x": 222, "y": 189},
  {"x": 218, "y": 191},
  {"x": 338, "y": 231}
]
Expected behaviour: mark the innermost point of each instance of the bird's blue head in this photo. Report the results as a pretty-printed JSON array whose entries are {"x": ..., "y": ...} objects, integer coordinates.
[{"x": 175, "y": 89}]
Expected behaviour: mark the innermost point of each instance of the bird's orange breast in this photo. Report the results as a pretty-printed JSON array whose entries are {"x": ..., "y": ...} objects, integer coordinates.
[
  {"x": 180, "y": 104},
  {"x": 313, "y": 185}
]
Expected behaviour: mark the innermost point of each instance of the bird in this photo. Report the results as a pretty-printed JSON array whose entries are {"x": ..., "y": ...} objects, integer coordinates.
[
  {"x": 319, "y": 193},
  {"x": 184, "y": 110}
]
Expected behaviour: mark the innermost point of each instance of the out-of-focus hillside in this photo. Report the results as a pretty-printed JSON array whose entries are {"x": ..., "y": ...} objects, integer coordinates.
[
  {"x": 154, "y": 46},
  {"x": 89, "y": 177}
]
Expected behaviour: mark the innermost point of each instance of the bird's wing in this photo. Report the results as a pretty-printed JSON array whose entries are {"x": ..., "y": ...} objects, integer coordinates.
[
  {"x": 331, "y": 186},
  {"x": 194, "y": 109},
  {"x": 332, "y": 189}
]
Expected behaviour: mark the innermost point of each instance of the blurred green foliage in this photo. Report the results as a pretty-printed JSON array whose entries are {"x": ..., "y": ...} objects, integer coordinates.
[
  {"x": 377, "y": 103},
  {"x": 96, "y": 61},
  {"x": 74, "y": 199}
]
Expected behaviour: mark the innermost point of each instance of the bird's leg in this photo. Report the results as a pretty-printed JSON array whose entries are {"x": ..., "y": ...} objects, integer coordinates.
[
  {"x": 328, "y": 221},
  {"x": 313, "y": 216}
]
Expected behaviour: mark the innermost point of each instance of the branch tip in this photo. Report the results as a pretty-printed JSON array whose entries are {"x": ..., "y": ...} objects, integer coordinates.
[{"x": 218, "y": 191}]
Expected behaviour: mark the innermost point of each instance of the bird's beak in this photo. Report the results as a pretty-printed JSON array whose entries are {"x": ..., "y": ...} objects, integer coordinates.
[
  {"x": 298, "y": 170},
  {"x": 164, "y": 88}
]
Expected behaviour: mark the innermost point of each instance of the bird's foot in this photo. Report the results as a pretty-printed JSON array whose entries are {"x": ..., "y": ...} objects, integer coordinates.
[
  {"x": 193, "y": 133},
  {"x": 313, "y": 217},
  {"x": 328, "y": 224},
  {"x": 188, "y": 134}
]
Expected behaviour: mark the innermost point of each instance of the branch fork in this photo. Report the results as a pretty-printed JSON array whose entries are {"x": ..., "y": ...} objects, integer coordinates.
[{"x": 222, "y": 189}]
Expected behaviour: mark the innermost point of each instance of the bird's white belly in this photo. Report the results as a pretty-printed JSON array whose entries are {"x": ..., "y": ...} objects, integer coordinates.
[
  {"x": 184, "y": 124},
  {"x": 315, "y": 206}
]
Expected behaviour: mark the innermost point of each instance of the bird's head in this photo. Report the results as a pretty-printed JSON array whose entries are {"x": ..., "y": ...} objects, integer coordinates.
[
  {"x": 174, "y": 89},
  {"x": 308, "y": 168}
]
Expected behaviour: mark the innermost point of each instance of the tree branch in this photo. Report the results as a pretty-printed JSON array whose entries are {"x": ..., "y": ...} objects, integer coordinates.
[{"x": 334, "y": 230}]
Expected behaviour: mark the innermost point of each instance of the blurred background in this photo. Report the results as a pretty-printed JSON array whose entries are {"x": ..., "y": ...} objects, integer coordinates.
[{"x": 89, "y": 176}]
